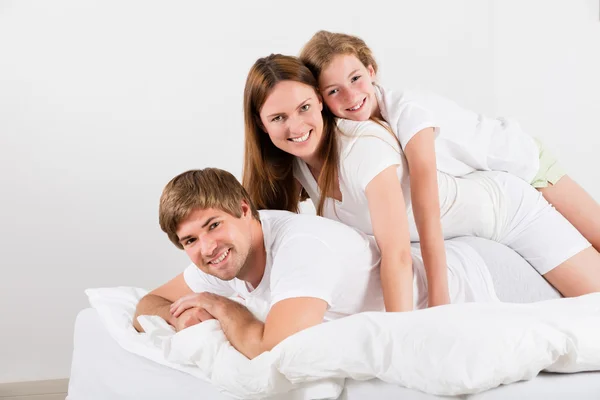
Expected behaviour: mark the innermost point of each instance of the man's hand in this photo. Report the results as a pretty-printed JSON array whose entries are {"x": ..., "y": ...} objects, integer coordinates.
[
  {"x": 205, "y": 301},
  {"x": 190, "y": 317},
  {"x": 247, "y": 334}
]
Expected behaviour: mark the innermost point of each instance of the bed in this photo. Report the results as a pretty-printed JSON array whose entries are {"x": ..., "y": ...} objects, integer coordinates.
[{"x": 101, "y": 369}]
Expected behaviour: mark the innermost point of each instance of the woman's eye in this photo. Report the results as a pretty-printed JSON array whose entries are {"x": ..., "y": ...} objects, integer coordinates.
[
  {"x": 332, "y": 91},
  {"x": 214, "y": 225},
  {"x": 277, "y": 119},
  {"x": 355, "y": 78},
  {"x": 305, "y": 107}
]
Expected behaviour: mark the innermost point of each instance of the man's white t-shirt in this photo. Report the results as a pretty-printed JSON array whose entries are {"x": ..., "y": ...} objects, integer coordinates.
[
  {"x": 307, "y": 256},
  {"x": 366, "y": 149},
  {"x": 465, "y": 140}
]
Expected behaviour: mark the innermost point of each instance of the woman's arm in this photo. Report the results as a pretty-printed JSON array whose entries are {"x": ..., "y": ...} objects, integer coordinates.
[
  {"x": 420, "y": 154},
  {"x": 390, "y": 227}
]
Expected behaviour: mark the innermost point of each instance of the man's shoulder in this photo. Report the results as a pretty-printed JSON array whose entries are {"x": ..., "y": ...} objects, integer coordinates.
[
  {"x": 275, "y": 214},
  {"x": 281, "y": 226},
  {"x": 289, "y": 223},
  {"x": 301, "y": 230}
]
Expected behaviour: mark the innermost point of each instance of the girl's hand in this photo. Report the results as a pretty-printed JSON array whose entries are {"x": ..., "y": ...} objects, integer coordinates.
[{"x": 435, "y": 300}]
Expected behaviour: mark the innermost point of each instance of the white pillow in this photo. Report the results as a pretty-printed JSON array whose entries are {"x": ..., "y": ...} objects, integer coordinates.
[
  {"x": 449, "y": 350},
  {"x": 201, "y": 350}
]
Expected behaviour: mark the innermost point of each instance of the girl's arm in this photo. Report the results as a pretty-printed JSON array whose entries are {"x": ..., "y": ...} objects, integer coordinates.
[
  {"x": 390, "y": 227},
  {"x": 420, "y": 154}
]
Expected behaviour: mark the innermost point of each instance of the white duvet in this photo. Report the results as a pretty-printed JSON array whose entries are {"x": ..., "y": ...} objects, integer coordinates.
[{"x": 450, "y": 350}]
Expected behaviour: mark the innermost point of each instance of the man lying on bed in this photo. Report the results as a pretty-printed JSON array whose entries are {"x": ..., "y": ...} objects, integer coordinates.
[{"x": 305, "y": 268}]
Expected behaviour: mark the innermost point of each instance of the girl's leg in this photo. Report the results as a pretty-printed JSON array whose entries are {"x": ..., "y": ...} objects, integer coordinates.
[
  {"x": 569, "y": 199},
  {"x": 577, "y": 206},
  {"x": 578, "y": 275},
  {"x": 544, "y": 237}
]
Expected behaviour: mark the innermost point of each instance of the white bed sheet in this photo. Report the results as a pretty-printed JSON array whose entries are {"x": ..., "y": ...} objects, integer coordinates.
[{"x": 101, "y": 369}]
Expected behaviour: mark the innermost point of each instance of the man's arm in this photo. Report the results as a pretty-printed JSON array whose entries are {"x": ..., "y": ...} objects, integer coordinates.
[
  {"x": 158, "y": 301},
  {"x": 152, "y": 305},
  {"x": 248, "y": 335}
]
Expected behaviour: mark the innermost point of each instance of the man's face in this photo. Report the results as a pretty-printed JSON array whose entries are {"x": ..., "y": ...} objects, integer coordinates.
[{"x": 217, "y": 242}]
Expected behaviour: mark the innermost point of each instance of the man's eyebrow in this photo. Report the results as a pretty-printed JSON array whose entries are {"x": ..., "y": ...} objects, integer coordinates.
[
  {"x": 349, "y": 75},
  {"x": 183, "y": 239},
  {"x": 208, "y": 221},
  {"x": 301, "y": 104}
]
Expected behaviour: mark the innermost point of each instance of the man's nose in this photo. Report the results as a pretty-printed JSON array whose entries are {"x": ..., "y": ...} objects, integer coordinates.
[{"x": 207, "y": 246}]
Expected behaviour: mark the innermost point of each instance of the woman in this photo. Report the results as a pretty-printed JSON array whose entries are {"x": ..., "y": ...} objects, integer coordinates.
[{"x": 359, "y": 176}]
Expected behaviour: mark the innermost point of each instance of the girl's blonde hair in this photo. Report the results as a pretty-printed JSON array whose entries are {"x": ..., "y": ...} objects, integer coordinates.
[
  {"x": 323, "y": 46},
  {"x": 320, "y": 50}
]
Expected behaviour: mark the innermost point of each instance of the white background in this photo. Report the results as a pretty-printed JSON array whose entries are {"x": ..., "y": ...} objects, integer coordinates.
[{"x": 101, "y": 103}]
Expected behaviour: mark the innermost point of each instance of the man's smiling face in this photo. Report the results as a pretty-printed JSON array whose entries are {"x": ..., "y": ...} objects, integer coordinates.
[{"x": 217, "y": 242}]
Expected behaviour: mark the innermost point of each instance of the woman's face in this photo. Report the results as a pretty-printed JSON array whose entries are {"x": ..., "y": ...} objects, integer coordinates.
[
  {"x": 292, "y": 118},
  {"x": 347, "y": 88}
]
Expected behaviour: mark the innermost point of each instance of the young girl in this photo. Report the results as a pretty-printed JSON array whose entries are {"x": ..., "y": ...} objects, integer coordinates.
[
  {"x": 464, "y": 140},
  {"x": 360, "y": 177}
]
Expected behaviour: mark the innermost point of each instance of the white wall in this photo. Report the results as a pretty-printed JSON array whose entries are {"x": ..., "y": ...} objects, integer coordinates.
[
  {"x": 547, "y": 75},
  {"x": 101, "y": 103}
]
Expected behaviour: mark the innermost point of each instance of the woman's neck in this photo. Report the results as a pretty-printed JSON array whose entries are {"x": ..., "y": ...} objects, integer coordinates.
[{"x": 315, "y": 166}]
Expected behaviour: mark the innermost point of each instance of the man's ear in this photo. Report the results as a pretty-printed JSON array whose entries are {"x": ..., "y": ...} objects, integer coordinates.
[{"x": 246, "y": 211}]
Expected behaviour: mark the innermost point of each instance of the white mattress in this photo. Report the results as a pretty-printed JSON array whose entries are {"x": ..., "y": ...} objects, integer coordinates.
[{"x": 103, "y": 370}]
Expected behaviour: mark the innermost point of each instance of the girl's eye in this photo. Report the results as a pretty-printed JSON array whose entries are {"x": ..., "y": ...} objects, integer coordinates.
[
  {"x": 305, "y": 107},
  {"x": 277, "y": 119},
  {"x": 355, "y": 78},
  {"x": 213, "y": 225},
  {"x": 332, "y": 91}
]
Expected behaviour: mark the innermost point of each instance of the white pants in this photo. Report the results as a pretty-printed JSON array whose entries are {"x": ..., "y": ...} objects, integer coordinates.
[{"x": 501, "y": 207}]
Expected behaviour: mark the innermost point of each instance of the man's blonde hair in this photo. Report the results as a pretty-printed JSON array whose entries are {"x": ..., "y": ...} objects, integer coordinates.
[{"x": 199, "y": 190}]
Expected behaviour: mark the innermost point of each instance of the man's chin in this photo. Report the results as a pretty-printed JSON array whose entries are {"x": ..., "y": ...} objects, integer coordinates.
[
  {"x": 227, "y": 278},
  {"x": 225, "y": 275}
]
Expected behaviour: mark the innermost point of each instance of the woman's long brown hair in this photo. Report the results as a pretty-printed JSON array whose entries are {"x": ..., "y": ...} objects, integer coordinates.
[{"x": 268, "y": 171}]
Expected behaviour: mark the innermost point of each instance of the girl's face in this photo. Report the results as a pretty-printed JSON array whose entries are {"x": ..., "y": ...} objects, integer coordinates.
[
  {"x": 347, "y": 88},
  {"x": 292, "y": 118}
]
